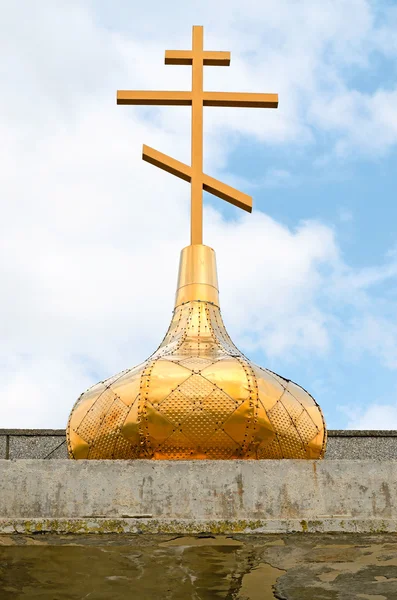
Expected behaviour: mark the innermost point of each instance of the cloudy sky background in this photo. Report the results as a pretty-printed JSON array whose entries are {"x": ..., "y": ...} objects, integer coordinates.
[{"x": 90, "y": 235}]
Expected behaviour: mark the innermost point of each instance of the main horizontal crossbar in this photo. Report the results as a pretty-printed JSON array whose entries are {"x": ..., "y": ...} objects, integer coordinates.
[
  {"x": 209, "y": 184},
  {"x": 240, "y": 99},
  {"x": 163, "y": 98},
  {"x": 158, "y": 98}
]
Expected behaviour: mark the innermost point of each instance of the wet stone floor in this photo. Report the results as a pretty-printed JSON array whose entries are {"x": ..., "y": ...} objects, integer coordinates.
[{"x": 260, "y": 567}]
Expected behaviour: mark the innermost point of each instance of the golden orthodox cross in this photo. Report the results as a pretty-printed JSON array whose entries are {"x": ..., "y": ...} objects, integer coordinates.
[{"x": 197, "y": 98}]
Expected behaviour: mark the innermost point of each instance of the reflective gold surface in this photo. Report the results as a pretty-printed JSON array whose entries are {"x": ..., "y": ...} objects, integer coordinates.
[{"x": 197, "y": 396}]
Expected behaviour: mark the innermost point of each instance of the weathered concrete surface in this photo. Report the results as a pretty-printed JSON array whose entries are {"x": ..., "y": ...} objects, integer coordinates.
[
  {"x": 374, "y": 445},
  {"x": 3, "y": 447},
  {"x": 293, "y": 567},
  {"x": 195, "y": 496},
  {"x": 51, "y": 444},
  {"x": 33, "y": 443}
]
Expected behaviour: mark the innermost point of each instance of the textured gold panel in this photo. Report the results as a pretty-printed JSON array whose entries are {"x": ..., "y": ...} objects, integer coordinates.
[
  {"x": 109, "y": 431},
  {"x": 293, "y": 407},
  {"x": 127, "y": 386},
  {"x": 198, "y": 426},
  {"x": 176, "y": 407},
  {"x": 196, "y": 363},
  {"x": 269, "y": 388},
  {"x": 164, "y": 378},
  {"x": 270, "y": 450},
  {"x": 264, "y": 430},
  {"x": 80, "y": 447},
  {"x": 178, "y": 441},
  {"x": 159, "y": 428},
  {"x": 130, "y": 428},
  {"x": 291, "y": 444},
  {"x": 229, "y": 376},
  {"x": 300, "y": 394},
  {"x": 221, "y": 446},
  {"x": 92, "y": 421},
  {"x": 306, "y": 427},
  {"x": 236, "y": 424},
  {"x": 196, "y": 388},
  {"x": 316, "y": 416},
  {"x": 280, "y": 418},
  {"x": 219, "y": 405},
  {"x": 316, "y": 446},
  {"x": 84, "y": 404}
]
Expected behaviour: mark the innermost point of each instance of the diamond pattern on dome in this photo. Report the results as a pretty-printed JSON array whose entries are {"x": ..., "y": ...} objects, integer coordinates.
[
  {"x": 177, "y": 445},
  {"x": 306, "y": 427},
  {"x": 316, "y": 416},
  {"x": 313, "y": 445},
  {"x": 300, "y": 394},
  {"x": 130, "y": 426},
  {"x": 279, "y": 418},
  {"x": 291, "y": 444},
  {"x": 127, "y": 386},
  {"x": 178, "y": 439},
  {"x": 91, "y": 423},
  {"x": 103, "y": 448},
  {"x": 236, "y": 426},
  {"x": 292, "y": 406},
  {"x": 230, "y": 376},
  {"x": 271, "y": 450},
  {"x": 195, "y": 363},
  {"x": 164, "y": 377},
  {"x": 176, "y": 407},
  {"x": 109, "y": 431},
  {"x": 159, "y": 428},
  {"x": 221, "y": 446},
  {"x": 269, "y": 389},
  {"x": 123, "y": 449},
  {"x": 196, "y": 388},
  {"x": 199, "y": 426},
  {"x": 219, "y": 405}
]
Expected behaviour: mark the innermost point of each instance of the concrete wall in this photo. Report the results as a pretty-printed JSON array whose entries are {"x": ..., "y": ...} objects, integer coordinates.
[
  {"x": 33, "y": 443},
  {"x": 51, "y": 444},
  {"x": 198, "y": 496}
]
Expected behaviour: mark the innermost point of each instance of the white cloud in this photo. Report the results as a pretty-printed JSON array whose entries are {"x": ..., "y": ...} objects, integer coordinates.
[
  {"x": 375, "y": 416},
  {"x": 90, "y": 235}
]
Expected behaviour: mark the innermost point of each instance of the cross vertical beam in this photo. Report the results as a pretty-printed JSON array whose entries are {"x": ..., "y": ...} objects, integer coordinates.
[{"x": 196, "y": 212}]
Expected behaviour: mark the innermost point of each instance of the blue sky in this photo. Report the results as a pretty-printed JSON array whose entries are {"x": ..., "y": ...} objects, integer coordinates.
[{"x": 90, "y": 235}]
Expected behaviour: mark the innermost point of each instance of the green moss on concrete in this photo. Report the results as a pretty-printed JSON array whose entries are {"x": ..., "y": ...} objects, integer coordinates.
[
  {"x": 217, "y": 527},
  {"x": 304, "y": 525}
]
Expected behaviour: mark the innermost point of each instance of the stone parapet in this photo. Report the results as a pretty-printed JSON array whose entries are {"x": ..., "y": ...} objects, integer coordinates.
[{"x": 198, "y": 496}]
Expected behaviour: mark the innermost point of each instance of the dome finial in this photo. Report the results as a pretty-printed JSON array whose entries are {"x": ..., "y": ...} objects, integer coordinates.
[{"x": 197, "y": 99}]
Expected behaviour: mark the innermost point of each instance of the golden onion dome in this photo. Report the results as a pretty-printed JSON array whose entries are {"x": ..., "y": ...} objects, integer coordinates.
[{"x": 197, "y": 396}]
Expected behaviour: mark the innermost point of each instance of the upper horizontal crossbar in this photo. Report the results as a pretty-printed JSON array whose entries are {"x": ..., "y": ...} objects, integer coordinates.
[
  {"x": 185, "y": 57},
  {"x": 231, "y": 99},
  {"x": 159, "y": 98}
]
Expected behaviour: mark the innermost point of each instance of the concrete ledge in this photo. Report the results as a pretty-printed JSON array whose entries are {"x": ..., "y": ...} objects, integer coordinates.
[{"x": 194, "y": 496}]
